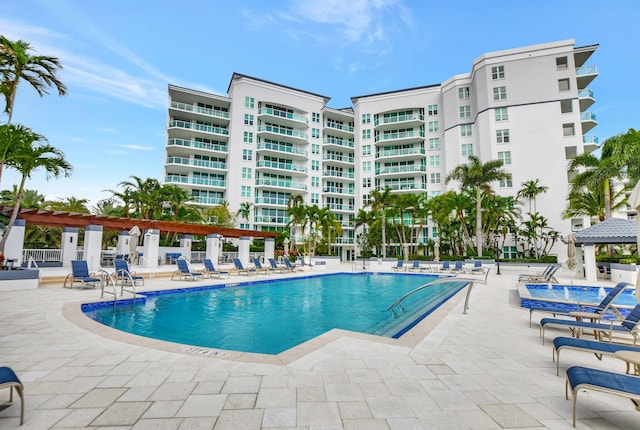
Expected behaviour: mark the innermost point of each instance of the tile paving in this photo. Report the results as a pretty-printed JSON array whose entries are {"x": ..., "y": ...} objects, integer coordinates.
[{"x": 483, "y": 370}]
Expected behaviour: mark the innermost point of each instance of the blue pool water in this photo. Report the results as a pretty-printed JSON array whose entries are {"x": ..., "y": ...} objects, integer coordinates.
[
  {"x": 581, "y": 294},
  {"x": 272, "y": 316}
]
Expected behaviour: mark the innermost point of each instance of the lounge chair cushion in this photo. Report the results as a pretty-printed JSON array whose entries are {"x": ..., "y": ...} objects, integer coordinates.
[
  {"x": 9, "y": 379},
  {"x": 591, "y": 346}
]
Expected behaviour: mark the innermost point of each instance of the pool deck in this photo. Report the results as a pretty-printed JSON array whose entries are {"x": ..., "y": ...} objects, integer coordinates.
[{"x": 482, "y": 370}]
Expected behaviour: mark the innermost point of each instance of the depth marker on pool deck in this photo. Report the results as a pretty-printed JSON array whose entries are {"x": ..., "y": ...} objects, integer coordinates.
[{"x": 205, "y": 352}]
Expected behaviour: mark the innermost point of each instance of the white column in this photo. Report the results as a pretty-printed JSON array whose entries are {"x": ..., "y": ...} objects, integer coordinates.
[
  {"x": 243, "y": 249},
  {"x": 69, "y": 245},
  {"x": 212, "y": 251},
  {"x": 590, "y": 267},
  {"x": 150, "y": 248},
  {"x": 269, "y": 248},
  {"x": 185, "y": 246},
  {"x": 14, "y": 245},
  {"x": 123, "y": 242},
  {"x": 92, "y": 246}
]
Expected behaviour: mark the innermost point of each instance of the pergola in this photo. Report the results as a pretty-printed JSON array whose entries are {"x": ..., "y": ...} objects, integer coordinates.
[{"x": 80, "y": 220}]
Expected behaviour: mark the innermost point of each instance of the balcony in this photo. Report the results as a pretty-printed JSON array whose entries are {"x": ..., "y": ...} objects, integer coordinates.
[
  {"x": 412, "y": 120},
  {"x": 287, "y": 167},
  {"x": 344, "y": 240},
  {"x": 183, "y": 146},
  {"x": 337, "y": 126},
  {"x": 404, "y": 186},
  {"x": 591, "y": 142},
  {"x": 400, "y": 170},
  {"x": 286, "y": 118},
  {"x": 585, "y": 98},
  {"x": 268, "y": 219},
  {"x": 182, "y": 164},
  {"x": 271, "y": 201},
  {"x": 584, "y": 76},
  {"x": 185, "y": 129},
  {"x": 280, "y": 183},
  {"x": 198, "y": 112},
  {"x": 176, "y": 179},
  {"x": 208, "y": 200},
  {"x": 278, "y": 149},
  {"x": 400, "y": 153},
  {"x": 588, "y": 120},
  {"x": 337, "y": 174},
  {"x": 278, "y": 132},
  {"x": 334, "y": 159},
  {"x": 338, "y": 142},
  {"x": 338, "y": 190},
  {"x": 403, "y": 137},
  {"x": 339, "y": 207}
]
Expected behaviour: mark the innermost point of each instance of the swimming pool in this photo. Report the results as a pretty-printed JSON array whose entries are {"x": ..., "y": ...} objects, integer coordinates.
[{"x": 272, "y": 316}]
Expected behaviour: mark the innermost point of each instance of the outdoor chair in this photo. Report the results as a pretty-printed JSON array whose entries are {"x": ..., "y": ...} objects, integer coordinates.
[
  {"x": 399, "y": 266},
  {"x": 545, "y": 276},
  {"x": 415, "y": 266},
  {"x": 274, "y": 266},
  {"x": 599, "y": 349},
  {"x": 259, "y": 268},
  {"x": 123, "y": 274},
  {"x": 239, "y": 268},
  {"x": 8, "y": 379},
  {"x": 184, "y": 272},
  {"x": 80, "y": 273},
  {"x": 210, "y": 269},
  {"x": 289, "y": 266}
]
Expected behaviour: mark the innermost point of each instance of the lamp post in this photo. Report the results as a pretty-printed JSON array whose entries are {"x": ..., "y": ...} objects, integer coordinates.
[{"x": 497, "y": 238}]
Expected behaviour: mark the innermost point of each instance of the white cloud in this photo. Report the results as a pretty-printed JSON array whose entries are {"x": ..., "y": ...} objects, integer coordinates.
[{"x": 139, "y": 147}]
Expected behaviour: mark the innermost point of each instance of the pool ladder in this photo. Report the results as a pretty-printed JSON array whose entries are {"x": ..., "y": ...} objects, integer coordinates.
[
  {"x": 469, "y": 280},
  {"x": 107, "y": 279}
]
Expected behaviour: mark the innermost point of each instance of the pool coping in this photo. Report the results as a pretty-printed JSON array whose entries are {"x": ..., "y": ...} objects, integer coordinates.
[{"x": 72, "y": 312}]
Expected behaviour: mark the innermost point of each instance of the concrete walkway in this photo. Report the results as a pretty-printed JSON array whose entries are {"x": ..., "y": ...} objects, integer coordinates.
[{"x": 483, "y": 370}]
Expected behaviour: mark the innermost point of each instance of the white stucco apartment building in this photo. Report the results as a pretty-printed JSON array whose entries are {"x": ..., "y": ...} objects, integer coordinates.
[{"x": 264, "y": 142}]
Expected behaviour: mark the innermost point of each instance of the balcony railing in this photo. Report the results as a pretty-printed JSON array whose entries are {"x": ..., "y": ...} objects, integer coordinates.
[
  {"x": 403, "y": 186},
  {"x": 340, "y": 142},
  {"x": 283, "y": 131},
  {"x": 585, "y": 94},
  {"x": 399, "y": 118},
  {"x": 198, "y": 109},
  {"x": 339, "y": 207},
  {"x": 590, "y": 139},
  {"x": 400, "y": 152},
  {"x": 588, "y": 116},
  {"x": 344, "y": 240},
  {"x": 338, "y": 190},
  {"x": 338, "y": 174},
  {"x": 208, "y": 200},
  {"x": 335, "y": 157},
  {"x": 199, "y": 127},
  {"x": 282, "y": 166},
  {"x": 198, "y": 145},
  {"x": 281, "y": 114},
  {"x": 400, "y": 169},
  {"x": 400, "y": 135},
  {"x": 197, "y": 163},
  {"x": 281, "y": 183},
  {"x": 267, "y": 219},
  {"x": 587, "y": 70},
  {"x": 283, "y": 148},
  {"x": 271, "y": 201},
  {"x": 196, "y": 181},
  {"x": 336, "y": 126}
]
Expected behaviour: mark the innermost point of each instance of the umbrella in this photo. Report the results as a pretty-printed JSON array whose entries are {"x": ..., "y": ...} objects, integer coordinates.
[
  {"x": 571, "y": 252},
  {"x": 133, "y": 242},
  {"x": 436, "y": 252}
]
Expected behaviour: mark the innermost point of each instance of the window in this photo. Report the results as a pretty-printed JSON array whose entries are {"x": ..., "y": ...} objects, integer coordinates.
[
  {"x": 435, "y": 178},
  {"x": 249, "y": 102},
  {"x": 506, "y": 183},
  {"x": 315, "y": 148},
  {"x": 366, "y": 118},
  {"x": 464, "y": 93},
  {"x": 497, "y": 72},
  {"x": 436, "y": 193},
  {"x": 465, "y": 130},
  {"x": 500, "y": 93},
  {"x": 568, "y": 130},
  {"x": 246, "y": 173},
  {"x": 502, "y": 136},
  {"x": 501, "y": 114},
  {"x": 315, "y": 117},
  {"x": 246, "y": 191},
  {"x": 563, "y": 84},
  {"x": 366, "y": 134},
  {"x": 366, "y": 199},
  {"x": 247, "y": 154},
  {"x": 465, "y": 111},
  {"x": 505, "y": 157},
  {"x": 366, "y": 166},
  {"x": 315, "y": 181},
  {"x": 434, "y": 143},
  {"x": 562, "y": 63},
  {"x": 566, "y": 106},
  {"x": 248, "y": 119},
  {"x": 467, "y": 149},
  {"x": 434, "y": 160},
  {"x": 315, "y": 132},
  {"x": 366, "y": 149},
  {"x": 248, "y": 137},
  {"x": 434, "y": 229},
  {"x": 432, "y": 110},
  {"x": 315, "y": 198},
  {"x": 315, "y": 165},
  {"x": 433, "y": 126},
  {"x": 366, "y": 182}
]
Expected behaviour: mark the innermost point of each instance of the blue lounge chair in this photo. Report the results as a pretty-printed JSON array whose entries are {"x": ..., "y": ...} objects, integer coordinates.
[
  {"x": 415, "y": 266},
  {"x": 583, "y": 378},
  {"x": 80, "y": 273},
  {"x": 289, "y": 266},
  {"x": 445, "y": 268},
  {"x": 259, "y": 268},
  {"x": 399, "y": 266},
  {"x": 8, "y": 379},
  {"x": 546, "y": 276},
  {"x": 628, "y": 326},
  {"x": 123, "y": 273},
  {"x": 210, "y": 269},
  {"x": 240, "y": 268},
  {"x": 458, "y": 266},
  {"x": 184, "y": 272},
  {"x": 477, "y": 267},
  {"x": 593, "y": 346},
  {"x": 579, "y": 311}
]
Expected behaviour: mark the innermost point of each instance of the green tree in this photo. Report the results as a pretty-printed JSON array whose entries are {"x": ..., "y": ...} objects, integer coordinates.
[
  {"x": 530, "y": 190},
  {"x": 17, "y": 64},
  {"x": 329, "y": 223},
  {"x": 380, "y": 202},
  {"x": 245, "y": 210},
  {"x": 478, "y": 177},
  {"x": 13, "y": 137},
  {"x": 69, "y": 204}
]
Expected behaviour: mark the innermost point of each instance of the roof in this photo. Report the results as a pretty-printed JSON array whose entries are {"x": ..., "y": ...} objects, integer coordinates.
[
  {"x": 80, "y": 220},
  {"x": 237, "y": 75},
  {"x": 609, "y": 231}
]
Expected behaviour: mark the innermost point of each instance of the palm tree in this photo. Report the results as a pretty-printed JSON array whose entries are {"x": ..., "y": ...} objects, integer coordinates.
[
  {"x": 68, "y": 204},
  {"x": 13, "y": 137},
  {"x": 328, "y": 222},
  {"x": 16, "y": 64},
  {"x": 530, "y": 190},
  {"x": 478, "y": 177},
  {"x": 245, "y": 210},
  {"x": 381, "y": 201},
  {"x": 367, "y": 219},
  {"x": 30, "y": 158}
]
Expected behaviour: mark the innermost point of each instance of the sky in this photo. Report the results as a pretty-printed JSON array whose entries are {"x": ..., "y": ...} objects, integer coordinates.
[{"x": 119, "y": 59}]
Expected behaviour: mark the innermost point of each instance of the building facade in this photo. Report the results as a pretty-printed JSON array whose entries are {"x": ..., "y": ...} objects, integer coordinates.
[{"x": 265, "y": 143}]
